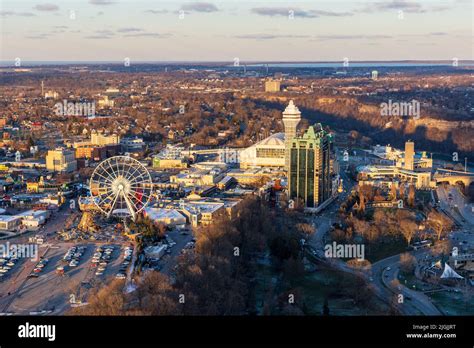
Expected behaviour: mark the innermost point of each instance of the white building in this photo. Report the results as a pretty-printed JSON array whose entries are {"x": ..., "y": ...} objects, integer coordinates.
[
  {"x": 61, "y": 160},
  {"x": 169, "y": 217},
  {"x": 269, "y": 152},
  {"x": 33, "y": 218},
  {"x": 132, "y": 144},
  {"x": 155, "y": 252},
  {"x": 9, "y": 222}
]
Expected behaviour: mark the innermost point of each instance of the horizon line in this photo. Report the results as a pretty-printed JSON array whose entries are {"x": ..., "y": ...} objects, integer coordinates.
[{"x": 242, "y": 62}]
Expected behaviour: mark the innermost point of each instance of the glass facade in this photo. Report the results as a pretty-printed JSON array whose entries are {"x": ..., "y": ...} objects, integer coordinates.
[
  {"x": 270, "y": 153},
  {"x": 309, "y": 176}
]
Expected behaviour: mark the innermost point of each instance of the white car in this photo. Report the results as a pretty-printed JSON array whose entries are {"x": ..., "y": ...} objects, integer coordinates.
[
  {"x": 72, "y": 264},
  {"x": 120, "y": 276},
  {"x": 98, "y": 273}
]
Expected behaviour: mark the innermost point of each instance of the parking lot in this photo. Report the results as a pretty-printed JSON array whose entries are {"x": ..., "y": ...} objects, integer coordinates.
[
  {"x": 66, "y": 272},
  {"x": 180, "y": 239},
  {"x": 58, "y": 283}
]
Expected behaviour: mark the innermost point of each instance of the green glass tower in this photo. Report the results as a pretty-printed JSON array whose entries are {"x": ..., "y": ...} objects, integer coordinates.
[{"x": 309, "y": 176}]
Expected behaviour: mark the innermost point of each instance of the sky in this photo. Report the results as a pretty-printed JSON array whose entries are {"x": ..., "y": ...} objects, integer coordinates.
[{"x": 271, "y": 31}]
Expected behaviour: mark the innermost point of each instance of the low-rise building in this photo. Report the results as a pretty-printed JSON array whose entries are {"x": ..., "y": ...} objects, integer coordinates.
[
  {"x": 61, "y": 160},
  {"x": 421, "y": 179},
  {"x": 169, "y": 217},
  {"x": 9, "y": 222},
  {"x": 201, "y": 212},
  {"x": 101, "y": 139},
  {"x": 132, "y": 144},
  {"x": 164, "y": 163},
  {"x": 272, "y": 85}
]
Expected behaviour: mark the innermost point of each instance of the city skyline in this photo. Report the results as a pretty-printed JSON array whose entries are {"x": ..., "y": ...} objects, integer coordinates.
[{"x": 109, "y": 30}]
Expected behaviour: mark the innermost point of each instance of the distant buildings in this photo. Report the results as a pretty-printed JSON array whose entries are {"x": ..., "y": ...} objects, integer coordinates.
[
  {"x": 407, "y": 166},
  {"x": 89, "y": 151},
  {"x": 99, "y": 147},
  {"x": 112, "y": 91},
  {"x": 412, "y": 159},
  {"x": 170, "y": 157},
  {"x": 309, "y": 175},
  {"x": 272, "y": 86},
  {"x": 105, "y": 102},
  {"x": 51, "y": 95},
  {"x": 409, "y": 155},
  {"x": 101, "y": 139},
  {"x": 61, "y": 160},
  {"x": 135, "y": 144}
]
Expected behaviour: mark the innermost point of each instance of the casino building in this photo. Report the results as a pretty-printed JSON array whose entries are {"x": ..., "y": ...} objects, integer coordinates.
[{"x": 270, "y": 152}]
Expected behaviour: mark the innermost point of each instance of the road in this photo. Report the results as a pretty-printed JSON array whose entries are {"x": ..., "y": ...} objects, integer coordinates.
[
  {"x": 168, "y": 261},
  {"x": 385, "y": 272},
  {"x": 453, "y": 202}
]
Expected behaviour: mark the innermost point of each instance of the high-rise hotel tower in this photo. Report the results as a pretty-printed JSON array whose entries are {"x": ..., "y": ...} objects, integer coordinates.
[{"x": 309, "y": 175}]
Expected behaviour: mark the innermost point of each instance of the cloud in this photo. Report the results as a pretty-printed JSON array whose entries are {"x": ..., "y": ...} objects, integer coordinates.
[
  {"x": 285, "y": 12},
  {"x": 157, "y": 11},
  {"x": 105, "y": 32},
  {"x": 19, "y": 14},
  {"x": 403, "y": 5},
  {"x": 102, "y": 2},
  {"x": 128, "y": 30},
  {"x": 270, "y": 36},
  {"x": 352, "y": 37},
  {"x": 46, "y": 7},
  {"x": 37, "y": 36},
  {"x": 318, "y": 37},
  {"x": 200, "y": 7},
  {"x": 153, "y": 35},
  {"x": 101, "y": 35}
]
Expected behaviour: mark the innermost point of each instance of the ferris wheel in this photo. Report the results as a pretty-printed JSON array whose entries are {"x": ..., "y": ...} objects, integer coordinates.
[{"x": 121, "y": 186}]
